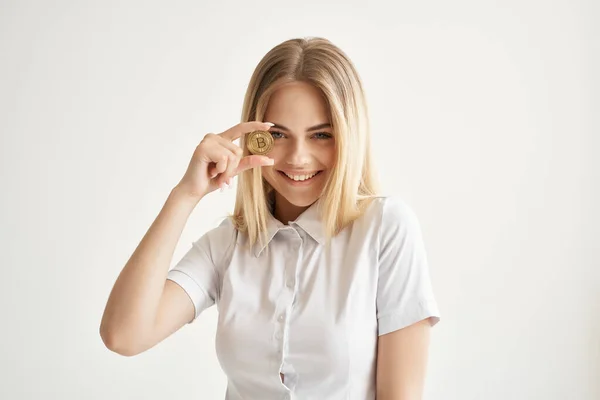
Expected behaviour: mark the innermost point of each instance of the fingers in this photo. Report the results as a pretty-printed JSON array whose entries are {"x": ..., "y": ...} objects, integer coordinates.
[
  {"x": 221, "y": 165},
  {"x": 216, "y": 156},
  {"x": 253, "y": 161},
  {"x": 234, "y": 159},
  {"x": 229, "y": 155},
  {"x": 224, "y": 159},
  {"x": 238, "y": 130},
  {"x": 212, "y": 150},
  {"x": 241, "y": 165}
]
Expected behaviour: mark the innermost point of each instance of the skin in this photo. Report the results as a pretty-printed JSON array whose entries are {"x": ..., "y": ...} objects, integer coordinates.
[
  {"x": 402, "y": 358},
  {"x": 294, "y": 109}
]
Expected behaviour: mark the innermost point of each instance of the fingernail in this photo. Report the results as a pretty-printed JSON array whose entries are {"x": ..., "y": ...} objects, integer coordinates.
[{"x": 269, "y": 123}]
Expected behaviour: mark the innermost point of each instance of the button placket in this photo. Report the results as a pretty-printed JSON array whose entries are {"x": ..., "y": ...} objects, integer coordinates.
[
  {"x": 292, "y": 277},
  {"x": 287, "y": 298},
  {"x": 297, "y": 247}
]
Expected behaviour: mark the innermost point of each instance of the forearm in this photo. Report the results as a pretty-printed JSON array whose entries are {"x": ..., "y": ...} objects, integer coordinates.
[{"x": 133, "y": 302}]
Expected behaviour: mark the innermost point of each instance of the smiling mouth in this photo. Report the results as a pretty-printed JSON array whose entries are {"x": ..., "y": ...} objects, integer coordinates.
[{"x": 300, "y": 178}]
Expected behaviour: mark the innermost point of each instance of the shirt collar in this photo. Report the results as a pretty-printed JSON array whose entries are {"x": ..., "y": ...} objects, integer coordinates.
[{"x": 309, "y": 221}]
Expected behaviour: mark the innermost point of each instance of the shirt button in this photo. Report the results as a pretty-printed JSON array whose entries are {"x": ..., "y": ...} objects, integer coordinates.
[
  {"x": 281, "y": 317},
  {"x": 278, "y": 335},
  {"x": 290, "y": 284}
]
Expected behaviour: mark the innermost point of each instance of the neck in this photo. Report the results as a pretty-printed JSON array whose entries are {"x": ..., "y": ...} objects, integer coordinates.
[{"x": 285, "y": 211}]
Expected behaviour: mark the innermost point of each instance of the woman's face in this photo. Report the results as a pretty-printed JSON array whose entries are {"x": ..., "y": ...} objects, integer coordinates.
[{"x": 304, "y": 146}]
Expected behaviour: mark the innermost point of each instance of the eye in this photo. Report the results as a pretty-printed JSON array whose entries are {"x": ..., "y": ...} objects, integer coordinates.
[
  {"x": 323, "y": 135},
  {"x": 275, "y": 133}
]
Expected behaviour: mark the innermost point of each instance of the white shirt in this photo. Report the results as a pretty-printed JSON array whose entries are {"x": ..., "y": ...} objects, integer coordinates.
[{"x": 312, "y": 318}]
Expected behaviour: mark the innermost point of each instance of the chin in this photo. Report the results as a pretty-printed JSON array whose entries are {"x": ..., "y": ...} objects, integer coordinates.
[{"x": 300, "y": 201}]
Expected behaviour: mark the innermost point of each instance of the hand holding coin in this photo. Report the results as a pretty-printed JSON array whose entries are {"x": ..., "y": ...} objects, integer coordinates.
[
  {"x": 259, "y": 142},
  {"x": 217, "y": 159}
]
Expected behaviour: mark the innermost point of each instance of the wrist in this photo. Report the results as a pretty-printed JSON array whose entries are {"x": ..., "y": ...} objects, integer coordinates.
[{"x": 181, "y": 195}]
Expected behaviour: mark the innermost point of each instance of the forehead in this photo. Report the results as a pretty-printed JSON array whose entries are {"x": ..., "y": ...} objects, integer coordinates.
[{"x": 298, "y": 102}]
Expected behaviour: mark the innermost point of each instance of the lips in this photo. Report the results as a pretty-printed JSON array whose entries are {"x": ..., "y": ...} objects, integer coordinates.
[{"x": 303, "y": 177}]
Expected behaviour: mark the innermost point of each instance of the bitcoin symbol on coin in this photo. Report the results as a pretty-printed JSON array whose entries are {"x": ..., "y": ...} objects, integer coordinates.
[{"x": 260, "y": 142}]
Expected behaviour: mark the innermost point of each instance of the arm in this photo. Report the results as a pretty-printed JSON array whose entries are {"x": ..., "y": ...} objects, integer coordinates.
[
  {"x": 402, "y": 362},
  {"x": 143, "y": 307}
]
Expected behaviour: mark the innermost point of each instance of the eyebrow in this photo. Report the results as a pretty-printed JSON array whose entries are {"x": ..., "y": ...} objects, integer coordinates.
[{"x": 314, "y": 128}]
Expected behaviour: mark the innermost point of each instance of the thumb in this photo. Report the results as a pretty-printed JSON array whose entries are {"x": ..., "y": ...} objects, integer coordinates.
[{"x": 253, "y": 161}]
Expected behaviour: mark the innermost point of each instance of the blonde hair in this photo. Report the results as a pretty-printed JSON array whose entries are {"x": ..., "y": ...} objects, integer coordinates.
[{"x": 352, "y": 183}]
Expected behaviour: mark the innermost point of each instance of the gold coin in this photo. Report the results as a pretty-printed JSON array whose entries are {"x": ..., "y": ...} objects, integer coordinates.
[{"x": 260, "y": 142}]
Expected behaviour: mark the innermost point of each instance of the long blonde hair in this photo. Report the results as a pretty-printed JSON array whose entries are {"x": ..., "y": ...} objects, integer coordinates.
[{"x": 352, "y": 183}]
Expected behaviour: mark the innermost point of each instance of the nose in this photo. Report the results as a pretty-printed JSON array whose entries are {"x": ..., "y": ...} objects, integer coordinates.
[{"x": 298, "y": 154}]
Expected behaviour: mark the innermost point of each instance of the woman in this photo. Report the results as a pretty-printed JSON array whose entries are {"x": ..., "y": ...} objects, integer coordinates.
[{"x": 321, "y": 284}]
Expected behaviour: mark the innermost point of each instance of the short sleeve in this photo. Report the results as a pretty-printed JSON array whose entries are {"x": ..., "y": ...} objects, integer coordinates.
[
  {"x": 404, "y": 290},
  {"x": 198, "y": 270}
]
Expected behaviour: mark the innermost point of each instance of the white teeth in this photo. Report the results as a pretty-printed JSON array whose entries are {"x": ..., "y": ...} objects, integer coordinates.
[{"x": 300, "y": 177}]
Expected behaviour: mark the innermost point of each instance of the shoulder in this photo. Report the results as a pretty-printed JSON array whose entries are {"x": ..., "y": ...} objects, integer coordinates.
[
  {"x": 218, "y": 241},
  {"x": 386, "y": 219},
  {"x": 393, "y": 217},
  {"x": 391, "y": 211},
  {"x": 222, "y": 231},
  {"x": 397, "y": 211}
]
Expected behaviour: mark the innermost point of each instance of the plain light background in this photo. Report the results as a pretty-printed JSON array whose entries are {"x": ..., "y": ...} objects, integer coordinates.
[{"x": 484, "y": 120}]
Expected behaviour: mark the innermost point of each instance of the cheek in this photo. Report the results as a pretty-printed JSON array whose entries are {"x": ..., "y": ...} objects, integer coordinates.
[
  {"x": 278, "y": 152},
  {"x": 328, "y": 156},
  {"x": 268, "y": 174}
]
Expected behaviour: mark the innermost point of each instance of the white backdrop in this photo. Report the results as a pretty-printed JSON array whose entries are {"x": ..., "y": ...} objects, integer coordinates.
[{"x": 483, "y": 121}]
